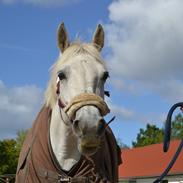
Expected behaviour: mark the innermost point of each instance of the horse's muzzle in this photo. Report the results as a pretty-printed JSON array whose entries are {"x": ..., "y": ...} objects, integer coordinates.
[{"x": 89, "y": 146}]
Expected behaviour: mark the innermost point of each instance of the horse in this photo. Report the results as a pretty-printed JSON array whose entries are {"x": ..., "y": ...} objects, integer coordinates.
[{"x": 70, "y": 141}]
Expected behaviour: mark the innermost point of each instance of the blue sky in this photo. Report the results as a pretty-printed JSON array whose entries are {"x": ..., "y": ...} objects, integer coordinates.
[{"x": 143, "y": 51}]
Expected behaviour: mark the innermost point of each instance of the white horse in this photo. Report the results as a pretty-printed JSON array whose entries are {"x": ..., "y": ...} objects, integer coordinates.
[{"x": 76, "y": 128}]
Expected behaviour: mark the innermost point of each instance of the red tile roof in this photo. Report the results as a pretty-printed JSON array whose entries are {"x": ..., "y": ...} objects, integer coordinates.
[{"x": 149, "y": 161}]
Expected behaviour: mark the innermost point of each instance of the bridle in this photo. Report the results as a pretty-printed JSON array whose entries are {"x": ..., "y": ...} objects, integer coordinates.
[
  {"x": 83, "y": 99},
  {"x": 61, "y": 104},
  {"x": 166, "y": 144}
]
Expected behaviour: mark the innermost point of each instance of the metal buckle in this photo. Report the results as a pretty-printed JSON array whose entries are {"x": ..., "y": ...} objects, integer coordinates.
[{"x": 65, "y": 179}]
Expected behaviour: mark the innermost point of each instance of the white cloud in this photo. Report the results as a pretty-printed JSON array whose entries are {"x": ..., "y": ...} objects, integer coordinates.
[
  {"x": 125, "y": 85},
  {"x": 152, "y": 118},
  {"x": 129, "y": 115},
  {"x": 121, "y": 112},
  {"x": 18, "y": 108},
  {"x": 146, "y": 38},
  {"x": 170, "y": 90},
  {"x": 44, "y": 3}
]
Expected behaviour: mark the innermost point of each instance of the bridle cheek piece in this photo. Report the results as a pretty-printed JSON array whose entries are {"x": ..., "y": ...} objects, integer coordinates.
[{"x": 60, "y": 102}]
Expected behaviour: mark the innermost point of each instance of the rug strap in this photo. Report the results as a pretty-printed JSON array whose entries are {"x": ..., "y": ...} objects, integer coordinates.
[{"x": 54, "y": 176}]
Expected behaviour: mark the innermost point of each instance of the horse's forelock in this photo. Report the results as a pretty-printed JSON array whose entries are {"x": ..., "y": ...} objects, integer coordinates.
[{"x": 74, "y": 49}]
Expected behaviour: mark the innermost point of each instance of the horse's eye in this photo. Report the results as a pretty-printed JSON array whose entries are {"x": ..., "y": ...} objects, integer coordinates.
[
  {"x": 101, "y": 127},
  {"x": 61, "y": 76},
  {"x": 105, "y": 76},
  {"x": 107, "y": 93}
]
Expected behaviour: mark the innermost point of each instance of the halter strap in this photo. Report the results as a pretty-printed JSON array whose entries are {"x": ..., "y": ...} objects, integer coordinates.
[
  {"x": 81, "y": 100},
  {"x": 60, "y": 102},
  {"x": 85, "y": 99},
  {"x": 55, "y": 177}
]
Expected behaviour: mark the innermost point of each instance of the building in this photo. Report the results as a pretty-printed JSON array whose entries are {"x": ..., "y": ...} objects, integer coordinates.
[{"x": 145, "y": 164}]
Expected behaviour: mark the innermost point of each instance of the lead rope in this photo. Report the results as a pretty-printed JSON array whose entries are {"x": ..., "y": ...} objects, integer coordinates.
[
  {"x": 166, "y": 144},
  {"x": 112, "y": 119}
]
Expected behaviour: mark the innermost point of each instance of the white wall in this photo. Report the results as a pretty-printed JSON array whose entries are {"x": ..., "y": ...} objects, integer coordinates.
[{"x": 171, "y": 179}]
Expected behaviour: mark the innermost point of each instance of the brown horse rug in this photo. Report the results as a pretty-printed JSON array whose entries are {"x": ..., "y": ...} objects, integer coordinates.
[{"x": 38, "y": 164}]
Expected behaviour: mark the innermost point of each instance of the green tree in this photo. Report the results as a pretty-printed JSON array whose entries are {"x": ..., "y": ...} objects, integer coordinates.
[
  {"x": 151, "y": 135},
  {"x": 8, "y": 156},
  {"x": 177, "y": 127},
  {"x": 9, "y": 153}
]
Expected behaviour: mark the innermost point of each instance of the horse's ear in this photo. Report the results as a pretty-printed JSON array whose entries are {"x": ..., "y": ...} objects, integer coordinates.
[
  {"x": 63, "y": 40},
  {"x": 98, "y": 37}
]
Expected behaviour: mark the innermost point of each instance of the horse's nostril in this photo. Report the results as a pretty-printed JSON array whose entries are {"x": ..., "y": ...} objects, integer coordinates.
[
  {"x": 101, "y": 127},
  {"x": 76, "y": 127},
  {"x": 76, "y": 124}
]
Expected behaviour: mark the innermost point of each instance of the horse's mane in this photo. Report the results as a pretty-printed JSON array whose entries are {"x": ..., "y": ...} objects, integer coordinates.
[{"x": 77, "y": 48}]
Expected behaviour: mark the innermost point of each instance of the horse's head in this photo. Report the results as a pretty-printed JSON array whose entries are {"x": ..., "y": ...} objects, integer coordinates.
[{"x": 78, "y": 77}]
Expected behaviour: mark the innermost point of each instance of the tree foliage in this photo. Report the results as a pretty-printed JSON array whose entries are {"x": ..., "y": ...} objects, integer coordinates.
[
  {"x": 177, "y": 127},
  {"x": 8, "y": 156},
  {"x": 153, "y": 134},
  {"x": 9, "y": 153}
]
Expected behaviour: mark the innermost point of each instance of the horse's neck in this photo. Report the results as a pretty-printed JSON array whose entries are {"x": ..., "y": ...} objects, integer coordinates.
[{"x": 63, "y": 141}]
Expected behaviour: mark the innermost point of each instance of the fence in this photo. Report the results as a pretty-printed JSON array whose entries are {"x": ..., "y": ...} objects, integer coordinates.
[{"x": 8, "y": 178}]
